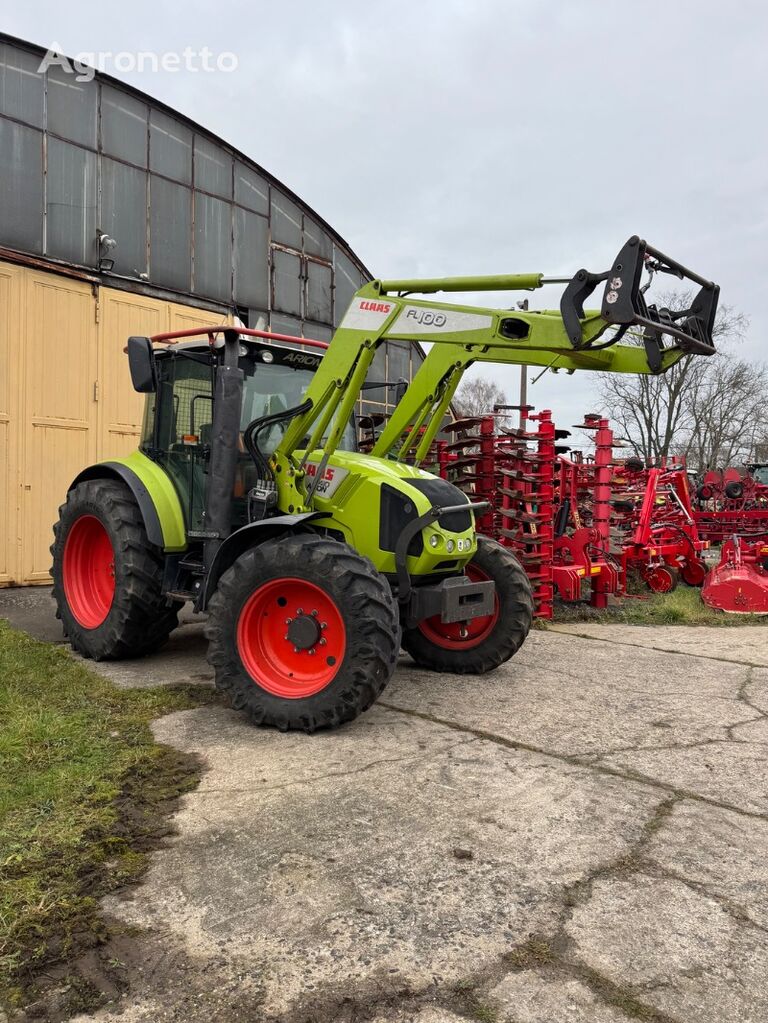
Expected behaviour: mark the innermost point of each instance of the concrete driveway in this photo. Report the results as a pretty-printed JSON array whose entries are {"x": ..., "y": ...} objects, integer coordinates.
[{"x": 581, "y": 836}]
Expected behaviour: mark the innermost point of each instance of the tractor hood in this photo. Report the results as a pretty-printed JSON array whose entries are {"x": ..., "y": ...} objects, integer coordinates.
[
  {"x": 371, "y": 500},
  {"x": 344, "y": 464}
]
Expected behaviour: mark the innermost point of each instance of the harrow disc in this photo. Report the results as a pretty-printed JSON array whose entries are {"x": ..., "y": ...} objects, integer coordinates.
[
  {"x": 693, "y": 572},
  {"x": 661, "y": 579}
]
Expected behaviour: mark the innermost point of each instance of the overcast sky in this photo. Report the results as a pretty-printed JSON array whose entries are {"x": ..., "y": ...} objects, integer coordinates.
[{"x": 455, "y": 137}]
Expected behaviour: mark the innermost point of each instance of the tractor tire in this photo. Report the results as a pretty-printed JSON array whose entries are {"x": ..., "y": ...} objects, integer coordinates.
[
  {"x": 107, "y": 576},
  {"x": 489, "y": 641},
  {"x": 303, "y": 633},
  {"x": 734, "y": 490}
]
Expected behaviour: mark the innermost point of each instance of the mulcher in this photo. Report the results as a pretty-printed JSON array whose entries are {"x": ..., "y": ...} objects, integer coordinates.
[{"x": 316, "y": 562}]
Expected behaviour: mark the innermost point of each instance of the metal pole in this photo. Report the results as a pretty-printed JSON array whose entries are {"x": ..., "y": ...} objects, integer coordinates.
[
  {"x": 523, "y": 305},
  {"x": 523, "y": 394}
]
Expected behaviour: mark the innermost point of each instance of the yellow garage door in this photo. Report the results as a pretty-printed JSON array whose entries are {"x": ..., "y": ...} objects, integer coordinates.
[
  {"x": 182, "y": 317},
  {"x": 65, "y": 397},
  {"x": 11, "y": 340},
  {"x": 59, "y": 406},
  {"x": 120, "y": 407}
]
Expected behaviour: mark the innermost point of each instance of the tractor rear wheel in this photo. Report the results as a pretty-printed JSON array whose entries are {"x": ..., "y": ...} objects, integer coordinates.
[
  {"x": 107, "y": 576},
  {"x": 481, "y": 644},
  {"x": 303, "y": 633}
]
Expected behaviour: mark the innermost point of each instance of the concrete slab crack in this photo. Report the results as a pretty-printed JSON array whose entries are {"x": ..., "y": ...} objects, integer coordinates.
[
  {"x": 555, "y": 954},
  {"x": 700, "y": 743},
  {"x": 742, "y": 697},
  {"x": 430, "y": 755},
  {"x": 575, "y": 760},
  {"x": 652, "y": 869},
  {"x": 657, "y": 649}
]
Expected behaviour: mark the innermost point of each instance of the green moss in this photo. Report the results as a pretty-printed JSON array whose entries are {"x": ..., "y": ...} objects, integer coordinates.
[
  {"x": 534, "y": 952},
  {"x": 464, "y": 984},
  {"x": 83, "y": 789},
  {"x": 485, "y": 1014}
]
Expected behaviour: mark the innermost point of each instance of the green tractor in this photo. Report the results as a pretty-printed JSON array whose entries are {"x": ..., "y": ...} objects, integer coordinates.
[{"x": 315, "y": 562}]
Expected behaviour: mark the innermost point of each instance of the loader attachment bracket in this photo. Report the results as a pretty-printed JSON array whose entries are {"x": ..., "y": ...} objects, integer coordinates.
[{"x": 624, "y": 304}]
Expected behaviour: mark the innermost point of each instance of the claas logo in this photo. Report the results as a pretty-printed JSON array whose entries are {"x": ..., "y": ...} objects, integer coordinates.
[
  {"x": 375, "y": 307},
  {"x": 312, "y": 471}
]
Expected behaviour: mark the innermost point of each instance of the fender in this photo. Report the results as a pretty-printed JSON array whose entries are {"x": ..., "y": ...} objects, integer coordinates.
[
  {"x": 155, "y": 495},
  {"x": 250, "y": 536}
]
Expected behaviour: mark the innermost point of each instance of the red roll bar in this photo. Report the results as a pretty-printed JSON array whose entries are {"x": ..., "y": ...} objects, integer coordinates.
[{"x": 175, "y": 335}]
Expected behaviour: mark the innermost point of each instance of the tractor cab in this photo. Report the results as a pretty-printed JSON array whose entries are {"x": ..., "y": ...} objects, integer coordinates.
[{"x": 178, "y": 414}]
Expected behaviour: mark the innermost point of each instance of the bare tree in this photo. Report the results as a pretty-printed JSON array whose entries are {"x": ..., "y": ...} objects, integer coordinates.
[
  {"x": 477, "y": 397},
  {"x": 704, "y": 408},
  {"x": 727, "y": 413},
  {"x": 649, "y": 411}
]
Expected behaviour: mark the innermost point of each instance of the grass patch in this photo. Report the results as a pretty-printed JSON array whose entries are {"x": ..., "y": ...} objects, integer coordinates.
[
  {"x": 682, "y": 606},
  {"x": 532, "y": 953},
  {"x": 84, "y": 794},
  {"x": 485, "y": 1014}
]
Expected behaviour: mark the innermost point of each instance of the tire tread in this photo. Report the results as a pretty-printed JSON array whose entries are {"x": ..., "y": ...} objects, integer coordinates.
[
  {"x": 506, "y": 639},
  {"x": 140, "y": 619},
  {"x": 372, "y": 646}
]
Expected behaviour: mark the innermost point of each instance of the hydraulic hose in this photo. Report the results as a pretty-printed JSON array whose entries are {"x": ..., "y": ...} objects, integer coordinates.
[{"x": 255, "y": 427}]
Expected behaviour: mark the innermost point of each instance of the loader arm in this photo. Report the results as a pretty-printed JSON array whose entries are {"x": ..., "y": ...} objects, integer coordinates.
[{"x": 569, "y": 339}]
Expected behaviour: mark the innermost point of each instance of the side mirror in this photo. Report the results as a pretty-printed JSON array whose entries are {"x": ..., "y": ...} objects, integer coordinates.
[{"x": 141, "y": 360}]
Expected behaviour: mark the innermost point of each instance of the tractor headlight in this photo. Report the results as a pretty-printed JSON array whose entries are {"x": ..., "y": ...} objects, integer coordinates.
[
  {"x": 449, "y": 545},
  {"x": 434, "y": 540}
]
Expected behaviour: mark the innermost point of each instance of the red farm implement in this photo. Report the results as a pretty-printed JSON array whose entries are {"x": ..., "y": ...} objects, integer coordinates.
[
  {"x": 655, "y": 514},
  {"x": 738, "y": 584},
  {"x": 576, "y": 523},
  {"x": 731, "y": 502},
  {"x": 514, "y": 470},
  {"x": 583, "y": 521}
]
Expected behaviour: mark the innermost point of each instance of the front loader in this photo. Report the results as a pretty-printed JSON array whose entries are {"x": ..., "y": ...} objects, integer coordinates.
[{"x": 313, "y": 560}]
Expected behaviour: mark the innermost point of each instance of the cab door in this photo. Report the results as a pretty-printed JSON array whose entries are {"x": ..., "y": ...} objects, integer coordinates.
[{"x": 183, "y": 430}]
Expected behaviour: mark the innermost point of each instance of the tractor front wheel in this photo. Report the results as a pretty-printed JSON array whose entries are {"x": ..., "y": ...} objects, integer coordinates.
[
  {"x": 480, "y": 644},
  {"x": 107, "y": 576},
  {"x": 303, "y": 633}
]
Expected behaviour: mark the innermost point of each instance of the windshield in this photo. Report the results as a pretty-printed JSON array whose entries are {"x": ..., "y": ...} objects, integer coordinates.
[
  {"x": 761, "y": 474},
  {"x": 271, "y": 387}
]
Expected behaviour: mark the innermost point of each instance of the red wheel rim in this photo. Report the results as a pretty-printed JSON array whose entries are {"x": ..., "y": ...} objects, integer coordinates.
[
  {"x": 89, "y": 571},
  {"x": 291, "y": 638},
  {"x": 462, "y": 635},
  {"x": 660, "y": 580}
]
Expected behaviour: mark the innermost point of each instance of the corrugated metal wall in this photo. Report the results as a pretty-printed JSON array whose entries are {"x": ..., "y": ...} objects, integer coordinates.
[{"x": 65, "y": 397}]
